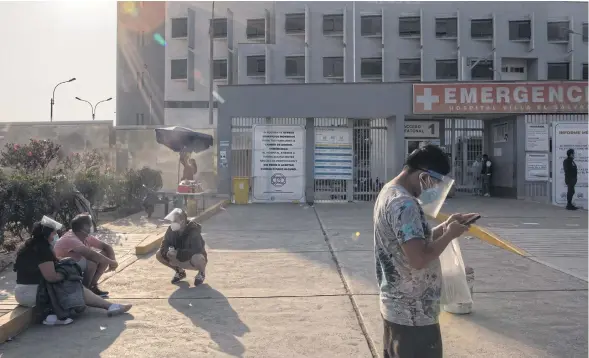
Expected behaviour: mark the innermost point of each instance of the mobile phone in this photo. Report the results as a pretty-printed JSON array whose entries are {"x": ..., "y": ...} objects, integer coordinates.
[{"x": 472, "y": 221}]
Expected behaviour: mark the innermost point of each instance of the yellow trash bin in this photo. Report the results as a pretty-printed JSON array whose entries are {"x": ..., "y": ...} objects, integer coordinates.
[
  {"x": 192, "y": 206},
  {"x": 241, "y": 190}
]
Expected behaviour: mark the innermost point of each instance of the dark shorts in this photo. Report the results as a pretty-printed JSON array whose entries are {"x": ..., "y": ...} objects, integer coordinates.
[{"x": 412, "y": 341}]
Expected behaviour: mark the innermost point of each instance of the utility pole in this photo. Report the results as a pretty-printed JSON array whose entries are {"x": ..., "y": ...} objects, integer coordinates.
[
  {"x": 211, "y": 69},
  {"x": 354, "y": 39}
]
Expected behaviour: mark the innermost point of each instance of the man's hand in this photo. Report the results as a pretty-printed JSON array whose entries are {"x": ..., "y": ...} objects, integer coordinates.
[
  {"x": 171, "y": 254},
  {"x": 455, "y": 229},
  {"x": 461, "y": 218},
  {"x": 113, "y": 266}
]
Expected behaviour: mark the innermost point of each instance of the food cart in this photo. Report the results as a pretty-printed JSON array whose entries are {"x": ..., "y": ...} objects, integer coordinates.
[{"x": 184, "y": 141}]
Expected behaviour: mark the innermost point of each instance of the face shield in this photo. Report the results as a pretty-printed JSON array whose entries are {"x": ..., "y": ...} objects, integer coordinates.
[
  {"x": 434, "y": 190},
  {"x": 176, "y": 216},
  {"x": 50, "y": 223}
]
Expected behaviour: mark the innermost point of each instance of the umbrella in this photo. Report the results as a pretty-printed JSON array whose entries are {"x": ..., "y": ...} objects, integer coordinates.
[{"x": 180, "y": 139}]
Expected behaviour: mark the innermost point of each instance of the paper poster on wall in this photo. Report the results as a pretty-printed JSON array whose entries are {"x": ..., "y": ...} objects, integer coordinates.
[
  {"x": 497, "y": 152},
  {"x": 569, "y": 136},
  {"x": 334, "y": 157},
  {"x": 537, "y": 167},
  {"x": 278, "y": 163},
  {"x": 537, "y": 138}
]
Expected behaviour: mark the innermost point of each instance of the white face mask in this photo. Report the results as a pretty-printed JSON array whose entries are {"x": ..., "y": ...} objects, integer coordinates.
[
  {"x": 175, "y": 226},
  {"x": 429, "y": 190},
  {"x": 55, "y": 238}
]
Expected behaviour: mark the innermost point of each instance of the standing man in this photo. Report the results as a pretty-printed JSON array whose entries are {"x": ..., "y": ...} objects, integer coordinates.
[
  {"x": 79, "y": 244},
  {"x": 183, "y": 247},
  {"x": 486, "y": 171},
  {"x": 570, "y": 177},
  {"x": 407, "y": 254}
]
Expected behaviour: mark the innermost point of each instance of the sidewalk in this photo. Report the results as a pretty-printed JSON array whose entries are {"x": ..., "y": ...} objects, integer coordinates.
[
  {"x": 288, "y": 280},
  {"x": 550, "y": 235},
  {"x": 123, "y": 234}
]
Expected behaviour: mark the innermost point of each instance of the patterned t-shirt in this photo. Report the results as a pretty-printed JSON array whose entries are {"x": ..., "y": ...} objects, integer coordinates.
[{"x": 408, "y": 296}]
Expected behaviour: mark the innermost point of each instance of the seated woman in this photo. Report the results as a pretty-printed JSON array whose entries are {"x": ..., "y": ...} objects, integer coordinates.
[{"x": 35, "y": 260}]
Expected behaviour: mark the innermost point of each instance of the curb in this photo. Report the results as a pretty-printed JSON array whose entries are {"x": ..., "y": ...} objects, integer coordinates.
[
  {"x": 151, "y": 243},
  {"x": 488, "y": 237},
  {"x": 15, "y": 322}
]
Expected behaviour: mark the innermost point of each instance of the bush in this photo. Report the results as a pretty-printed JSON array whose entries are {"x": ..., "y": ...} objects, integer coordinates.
[
  {"x": 43, "y": 182},
  {"x": 32, "y": 157}
]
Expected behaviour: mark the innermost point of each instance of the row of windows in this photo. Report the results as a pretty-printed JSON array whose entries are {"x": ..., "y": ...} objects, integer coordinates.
[
  {"x": 371, "y": 25},
  {"x": 333, "y": 67}
]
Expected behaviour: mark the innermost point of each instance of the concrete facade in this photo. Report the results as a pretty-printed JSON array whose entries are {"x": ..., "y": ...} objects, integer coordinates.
[
  {"x": 358, "y": 100},
  {"x": 140, "y": 63},
  {"x": 188, "y": 105},
  {"x": 392, "y": 101}
]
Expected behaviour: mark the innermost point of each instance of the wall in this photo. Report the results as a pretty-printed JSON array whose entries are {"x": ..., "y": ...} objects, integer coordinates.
[
  {"x": 395, "y": 47},
  {"x": 354, "y": 100},
  {"x": 140, "y": 102},
  {"x": 538, "y": 191},
  {"x": 131, "y": 147}
]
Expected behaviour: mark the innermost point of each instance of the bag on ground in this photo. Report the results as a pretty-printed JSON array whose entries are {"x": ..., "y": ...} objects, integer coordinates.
[{"x": 455, "y": 290}]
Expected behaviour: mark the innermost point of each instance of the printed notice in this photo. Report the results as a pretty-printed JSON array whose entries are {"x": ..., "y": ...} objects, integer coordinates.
[{"x": 278, "y": 167}]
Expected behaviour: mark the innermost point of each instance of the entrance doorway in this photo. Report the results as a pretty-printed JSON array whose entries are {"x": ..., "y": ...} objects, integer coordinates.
[{"x": 464, "y": 144}]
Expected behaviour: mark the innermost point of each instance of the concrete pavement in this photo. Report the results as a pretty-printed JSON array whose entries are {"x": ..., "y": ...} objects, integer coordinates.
[
  {"x": 287, "y": 280},
  {"x": 550, "y": 235}
]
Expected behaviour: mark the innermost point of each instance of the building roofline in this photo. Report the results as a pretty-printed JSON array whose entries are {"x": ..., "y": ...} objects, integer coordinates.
[{"x": 396, "y": 83}]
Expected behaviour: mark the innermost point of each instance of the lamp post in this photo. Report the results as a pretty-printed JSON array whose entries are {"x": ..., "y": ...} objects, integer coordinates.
[
  {"x": 93, "y": 107},
  {"x": 53, "y": 96},
  {"x": 211, "y": 62}
]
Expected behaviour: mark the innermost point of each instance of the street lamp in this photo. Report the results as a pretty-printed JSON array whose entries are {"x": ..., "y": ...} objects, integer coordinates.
[
  {"x": 93, "y": 107},
  {"x": 53, "y": 96}
]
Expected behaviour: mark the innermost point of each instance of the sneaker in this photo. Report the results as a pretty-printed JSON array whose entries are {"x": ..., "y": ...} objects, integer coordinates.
[
  {"x": 99, "y": 292},
  {"x": 52, "y": 320},
  {"x": 199, "y": 279},
  {"x": 116, "y": 309},
  {"x": 487, "y": 195},
  {"x": 180, "y": 275}
]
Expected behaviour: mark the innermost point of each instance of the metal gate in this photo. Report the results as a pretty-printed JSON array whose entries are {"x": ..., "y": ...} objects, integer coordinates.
[
  {"x": 370, "y": 157},
  {"x": 464, "y": 144},
  {"x": 241, "y": 142}
]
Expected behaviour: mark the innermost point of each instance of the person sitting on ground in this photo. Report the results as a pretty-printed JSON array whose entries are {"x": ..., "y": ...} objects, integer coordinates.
[
  {"x": 78, "y": 243},
  {"x": 183, "y": 247},
  {"x": 35, "y": 260}
]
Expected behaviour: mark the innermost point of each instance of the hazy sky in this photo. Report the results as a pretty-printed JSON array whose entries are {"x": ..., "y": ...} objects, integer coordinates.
[{"x": 44, "y": 43}]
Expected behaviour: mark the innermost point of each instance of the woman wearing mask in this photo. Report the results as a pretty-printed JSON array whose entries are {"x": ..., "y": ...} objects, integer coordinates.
[{"x": 35, "y": 260}]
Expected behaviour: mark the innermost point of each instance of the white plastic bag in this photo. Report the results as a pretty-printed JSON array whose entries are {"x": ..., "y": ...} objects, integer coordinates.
[{"x": 456, "y": 296}]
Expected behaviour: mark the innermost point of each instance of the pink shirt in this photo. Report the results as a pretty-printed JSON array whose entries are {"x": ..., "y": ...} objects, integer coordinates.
[{"x": 70, "y": 241}]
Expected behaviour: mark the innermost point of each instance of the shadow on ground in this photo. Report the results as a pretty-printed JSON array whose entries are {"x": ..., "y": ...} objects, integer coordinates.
[
  {"x": 220, "y": 319},
  {"x": 89, "y": 335},
  {"x": 515, "y": 303}
]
